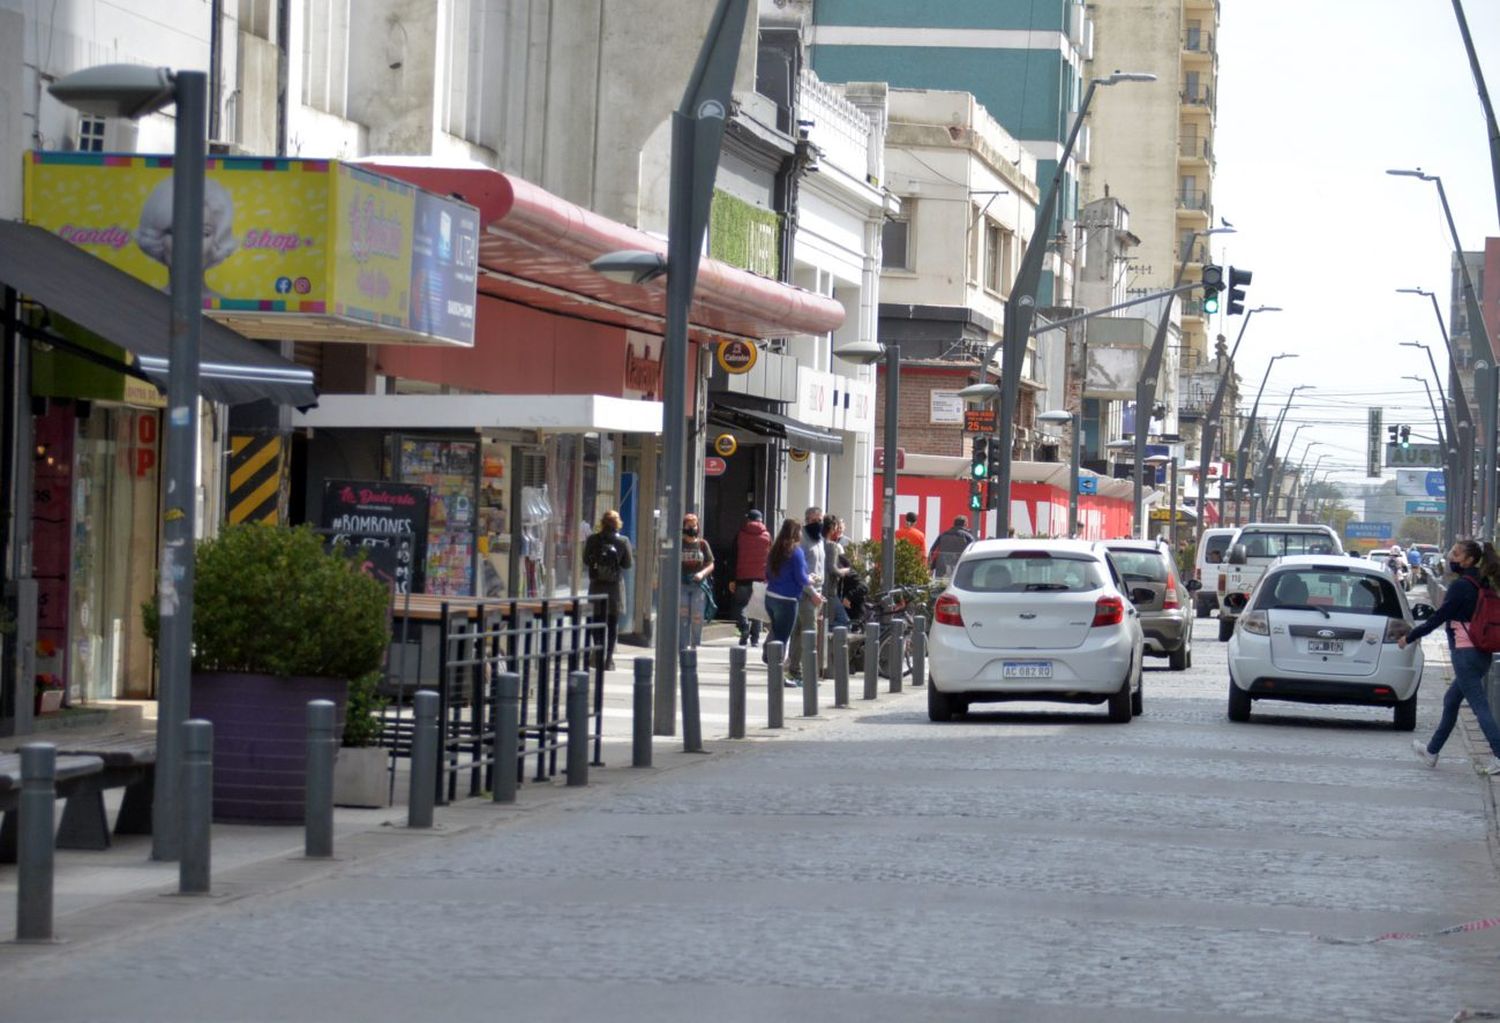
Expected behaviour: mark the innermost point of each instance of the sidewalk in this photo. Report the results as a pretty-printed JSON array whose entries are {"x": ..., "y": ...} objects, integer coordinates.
[{"x": 98, "y": 894}]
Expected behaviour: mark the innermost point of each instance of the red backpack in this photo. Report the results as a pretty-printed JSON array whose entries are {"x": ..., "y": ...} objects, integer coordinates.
[{"x": 1484, "y": 627}]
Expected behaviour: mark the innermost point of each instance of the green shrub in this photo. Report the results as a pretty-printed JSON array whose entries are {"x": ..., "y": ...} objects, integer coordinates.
[
  {"x": 361, "y": 725},
  {"x": 275, "y": 601},
  {"x": 911, "y": 564}
]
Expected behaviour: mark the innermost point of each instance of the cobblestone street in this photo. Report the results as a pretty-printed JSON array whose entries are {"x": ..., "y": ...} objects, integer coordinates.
[{"x": 1030, "y": 863}]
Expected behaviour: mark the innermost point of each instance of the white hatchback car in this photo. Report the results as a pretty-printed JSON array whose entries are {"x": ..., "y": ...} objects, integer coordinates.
[
  {"x": 1320, "y": 629},
  {"x": 1035, "y": 620}
]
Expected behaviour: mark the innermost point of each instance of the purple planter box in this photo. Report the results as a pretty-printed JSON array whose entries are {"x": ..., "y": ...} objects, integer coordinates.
[{"x": 260, "y": 741}]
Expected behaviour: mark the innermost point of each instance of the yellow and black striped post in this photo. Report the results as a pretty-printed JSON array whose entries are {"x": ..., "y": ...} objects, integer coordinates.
[{"x": 256, "y": 468}]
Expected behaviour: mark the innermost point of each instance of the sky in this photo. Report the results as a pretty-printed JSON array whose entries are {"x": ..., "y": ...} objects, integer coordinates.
[{"x": 1316, "y": 100}]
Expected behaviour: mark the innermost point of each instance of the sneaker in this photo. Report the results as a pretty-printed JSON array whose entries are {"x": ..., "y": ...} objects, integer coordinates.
[
  {"x": 1420, "y": 749},
  {"x": 1492, "y": 767}
]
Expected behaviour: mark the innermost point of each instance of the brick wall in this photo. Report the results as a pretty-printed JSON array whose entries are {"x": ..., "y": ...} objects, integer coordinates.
[{"x": 917, "y": 434}]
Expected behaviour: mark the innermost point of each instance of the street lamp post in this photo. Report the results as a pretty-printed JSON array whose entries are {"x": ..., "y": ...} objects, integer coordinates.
[
  {"x": 1075, "y": 460},
  {"x": 133, "y": 91},
  {"x": 1210, "y": 428},
  {"x": 1280, "y": 475},
  {"x": 1460, "y": 425},
  {"x": 1021, "y": 305},
  {"x": 1248, "y": 433},
  {"x": 1156, "y": 462},
  {"x": 1263, "y": 471}
]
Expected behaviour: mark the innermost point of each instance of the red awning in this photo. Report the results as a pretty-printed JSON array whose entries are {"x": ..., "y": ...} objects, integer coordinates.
[{"x": 536, "y": 249}]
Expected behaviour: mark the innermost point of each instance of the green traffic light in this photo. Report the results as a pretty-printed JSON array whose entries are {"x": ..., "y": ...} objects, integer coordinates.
[
  {"x": 975, "y": 503},
  {"x": 1210, "y": 304},
  {"x": 980, "y": 469}
]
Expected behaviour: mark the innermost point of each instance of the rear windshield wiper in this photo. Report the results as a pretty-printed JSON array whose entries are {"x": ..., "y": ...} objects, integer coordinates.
[{"x": 1304, "y": 607}]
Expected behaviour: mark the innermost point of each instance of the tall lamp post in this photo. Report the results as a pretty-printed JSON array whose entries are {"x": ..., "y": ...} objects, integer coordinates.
[
  {"x": 1210, "y": 430},
  {"x": 1075, "y": 460},
  {"x": 1156, "y": 462},
  {"x": 133, "y": 91},
  {"x": 867, "y": 353},
  {"x": 1263, "y": 471},
  {"x": 1021, "y": 305},
  {"x": 697, "y": 134},
  {"x": 1485, "y": 377},
  {"x": 1246, "y": 435},
  {"x": 1443, "y": 446},
  {"x": 1460, "y": 483},
  {"x": 1280, "y": 474}
]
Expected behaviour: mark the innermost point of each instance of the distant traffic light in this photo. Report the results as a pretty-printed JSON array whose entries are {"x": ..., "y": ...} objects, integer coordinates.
[
  {"x": 1238, "y": 279},
  {"x": 1406, "y": 436},
  {"x": 1213, "y": 283},
  {"x": 1395, "y": 432},
  {"x": 979, "y": 467},
  {"x": 976, "y": 495}
]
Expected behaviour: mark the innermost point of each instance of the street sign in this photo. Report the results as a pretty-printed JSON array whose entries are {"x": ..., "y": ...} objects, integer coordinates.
[
  {"x": 1413, "y": 456},
  {"x": 900, "y": 458},
  {"x": 1420, "y": 483},
  {"x": 1372, "y": 452},
  {"x": 1088, "y": 484},
  {"x": 1436, "y": 509},
  {"x": 726, "y": 444},
  {"x": 979, "y": 420},
  {"x": 1369, "y": 531},
  {"x": 714, "y": 466}
]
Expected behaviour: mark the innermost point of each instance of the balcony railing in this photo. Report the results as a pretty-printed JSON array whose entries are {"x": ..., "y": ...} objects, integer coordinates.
[
  {"x": 1198, "y": 97},
  {"x": 1198, "y": 41},
  {"x": 1195, "y": 148},
  {"x": 1193, "y": 199}
]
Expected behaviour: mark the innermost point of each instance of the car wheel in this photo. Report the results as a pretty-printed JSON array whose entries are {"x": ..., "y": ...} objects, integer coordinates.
[
  {"x": 1239, "y": 703},
  {"x": 940, "y": 706},
  {"x": 1181, "y": 658},
  {"x": 1138, "y": 700},
  {"x": 1226, "y": 629},
  {"x": 1119, "y": 703},
  {"x": 1204, "y": 608},
  {"x": 1406, "y": 714}
]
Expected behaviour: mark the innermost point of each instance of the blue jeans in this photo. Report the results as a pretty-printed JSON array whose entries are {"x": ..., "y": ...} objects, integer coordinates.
[
  {"x": 690, "y": 621},
  {"x": 1469, "y": 670},
  {"x": 783, "y": 614}
]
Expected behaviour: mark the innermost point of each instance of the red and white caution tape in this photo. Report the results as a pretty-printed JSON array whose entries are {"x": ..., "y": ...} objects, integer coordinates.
[{"x": 1463, "y": 928}]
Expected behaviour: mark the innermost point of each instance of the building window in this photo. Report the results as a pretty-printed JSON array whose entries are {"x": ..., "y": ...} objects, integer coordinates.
[
  {"x": 1195, "y": 35},
  {"x": 895, "y": 242},
  {"x": 1190, "y": 89},
  {"x": 91, "y": 134},
  {"x": 997, "y": 258},
  {"x": 325, "y": 56}
]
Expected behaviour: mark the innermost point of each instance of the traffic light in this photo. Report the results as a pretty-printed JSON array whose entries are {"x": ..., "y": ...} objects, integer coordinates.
[
  {"x": 1213, "y": 283},
  {"x": 1395, "y": 432},
  {"x": 979, "y": 467},
  {"x": 976, "y": 495},
  {"x": 1405, "y": 436},
  {"x": 1238, "y": 280}
]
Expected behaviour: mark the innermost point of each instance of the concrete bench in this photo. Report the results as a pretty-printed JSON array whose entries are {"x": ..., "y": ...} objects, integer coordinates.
[
  {"x": 129, "y": 762},
  {"x": 75, "y": 775}
]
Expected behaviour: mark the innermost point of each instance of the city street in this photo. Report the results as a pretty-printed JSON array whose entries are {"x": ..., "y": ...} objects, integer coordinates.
[{"x": 1032, "y": 862}]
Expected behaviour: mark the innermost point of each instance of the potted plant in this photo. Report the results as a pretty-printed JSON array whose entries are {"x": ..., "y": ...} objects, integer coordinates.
[
  {"x": 49, "y": 693},
  {"x": 278, "y": 619},
  {"x": 361, "y": 772}
]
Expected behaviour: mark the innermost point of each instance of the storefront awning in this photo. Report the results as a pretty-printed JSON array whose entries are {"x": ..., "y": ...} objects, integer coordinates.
[
  {"x": 773, "y": 424},
  {"x": 554, "y": 413},
  {"x": 135, "y": 316},
  {"x": 536, "y": 249}
]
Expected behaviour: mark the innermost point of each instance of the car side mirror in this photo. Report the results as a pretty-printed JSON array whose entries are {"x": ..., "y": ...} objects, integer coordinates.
[
  {"x": 1193, "y": 586},
  {"x": 1141, "y": 595},
  {"x": 1422, "y": 612},
  {"x": 1237, "y": 554}
]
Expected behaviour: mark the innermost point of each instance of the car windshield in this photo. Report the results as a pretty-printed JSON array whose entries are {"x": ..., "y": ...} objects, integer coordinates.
[
  {"x": 1029, "y": 572},
  {"x": 1345, "y": 592},
  {"x": 1281, "y": 545},
  {"x": 1140, "y": 566}
]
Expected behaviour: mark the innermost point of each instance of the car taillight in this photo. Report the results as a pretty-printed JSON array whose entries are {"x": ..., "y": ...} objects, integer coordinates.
[
  {"x": 1256, "y": 623},
  {"x": 1108, "y": 611},
  {"x": 946, "y": 611},
  {"x": 1169, "y": 599},
  {"x": 1396, "y": 629}
]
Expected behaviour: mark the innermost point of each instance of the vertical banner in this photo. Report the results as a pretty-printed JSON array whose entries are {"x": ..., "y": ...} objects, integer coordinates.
[{"x": 1373, "y": 444}]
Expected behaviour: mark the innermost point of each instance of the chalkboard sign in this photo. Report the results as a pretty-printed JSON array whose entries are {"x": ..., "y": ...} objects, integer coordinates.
[{"x": 389, "y": 520}]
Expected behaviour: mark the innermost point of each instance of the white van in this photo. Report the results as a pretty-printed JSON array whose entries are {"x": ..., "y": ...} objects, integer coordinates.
[{"x": 1212, "y": 550}]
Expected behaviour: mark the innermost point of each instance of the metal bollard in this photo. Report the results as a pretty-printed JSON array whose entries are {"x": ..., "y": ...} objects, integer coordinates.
[
  {"x": 424, "y": 751},
  {"x": 918, "y": 651},
  {"x": 692, "y": 722},
  {"x": 34, "y": 847},
  {"x": 193, "y": 870},
  {"x": 895, "y": 665},
  {"x": 322, "y": 747},
  {"x": 737, "y": 692},
  {"x": 838, "y": 652},
  {"x": 810, "y": 673},
  {"x": 640, "y": 740},
  {"x": 872, "y": 660},
  {"x": 507, "y": 736},
  {"x": 775, "y": 684},
  {"x": 578, "y": 729}
]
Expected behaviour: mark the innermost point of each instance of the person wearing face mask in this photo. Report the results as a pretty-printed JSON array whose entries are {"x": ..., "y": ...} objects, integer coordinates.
[
  {"x": 1475, "y": 565},
  {"x": 807, "y": 611},
  {"x": 697, "y": 566}
]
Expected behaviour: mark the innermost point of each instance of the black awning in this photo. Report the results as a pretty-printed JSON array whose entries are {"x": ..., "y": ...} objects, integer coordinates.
[
  {"x": 132, "y": 314},
  {"x": 773, "y": 424}
]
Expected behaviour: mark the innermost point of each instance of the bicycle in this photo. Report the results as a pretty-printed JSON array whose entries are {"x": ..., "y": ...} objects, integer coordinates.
[{"x": 885, "y": 609}]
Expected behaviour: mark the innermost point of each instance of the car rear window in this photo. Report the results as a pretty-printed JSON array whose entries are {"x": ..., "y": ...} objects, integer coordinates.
[
  {"x": 1280, "y": 545},
  {"x": 1140, "y": 566},
  {"x": 1029, "y": 573},
  {"x": 1217, "y": 544},
  {"x": 1334, "y": 591}
]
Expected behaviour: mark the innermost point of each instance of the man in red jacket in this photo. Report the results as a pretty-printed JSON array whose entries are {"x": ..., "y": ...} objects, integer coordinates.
[{"x": 751, "y": 546}]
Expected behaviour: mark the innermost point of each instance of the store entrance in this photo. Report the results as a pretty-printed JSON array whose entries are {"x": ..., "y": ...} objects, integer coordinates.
[{"x": 726, "y": 499}]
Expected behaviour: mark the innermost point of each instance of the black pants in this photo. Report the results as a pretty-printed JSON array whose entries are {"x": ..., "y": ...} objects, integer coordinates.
[
  {"x": 608, "y": 614},
  {"x": 743, "y": 589}
]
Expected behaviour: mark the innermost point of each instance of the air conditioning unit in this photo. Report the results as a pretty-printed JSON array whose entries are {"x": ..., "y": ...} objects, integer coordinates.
[{"x": 223, "y": 147}]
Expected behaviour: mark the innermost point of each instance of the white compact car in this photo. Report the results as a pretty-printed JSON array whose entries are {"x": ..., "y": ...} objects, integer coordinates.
[
  {"x": 1320, "y": 629},
  {"x": 1035, "y": 620}
]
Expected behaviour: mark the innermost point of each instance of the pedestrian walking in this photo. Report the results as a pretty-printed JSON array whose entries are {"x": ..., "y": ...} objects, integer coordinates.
[
  {"x": 912, "y": 535},
  {"x": 807, "y": 609},
  {"x": 607, "y": 556},
  {"x": 697, "y": 566},
  {"x": 788, "y": 585},
  {"x": 949, "y": 546},
  {"x": 836, "y": 568},
  {"x": 1475, "y": 564},
  {"x": 752, "y": 545}
]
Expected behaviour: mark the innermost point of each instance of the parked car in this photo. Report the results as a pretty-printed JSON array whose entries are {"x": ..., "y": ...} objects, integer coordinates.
[
  {"x": 1252, "y": 551},
  {"x": 1212, "y": 550},
  {"x": 1167, "y": 618},
  {"x": 1036, "y": 620},
  {"x": 1324, "y": 630}
]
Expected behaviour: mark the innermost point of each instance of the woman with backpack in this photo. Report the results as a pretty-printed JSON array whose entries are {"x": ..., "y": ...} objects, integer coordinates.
[
  {"x": 606, "y": 555},
  {"x": 1477, "y": 567}
]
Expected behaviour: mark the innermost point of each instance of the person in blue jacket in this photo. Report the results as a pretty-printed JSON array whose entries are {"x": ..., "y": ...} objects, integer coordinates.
[
  {"x": 1476, "y": 565},
  {"x": 787, "y": 582}
]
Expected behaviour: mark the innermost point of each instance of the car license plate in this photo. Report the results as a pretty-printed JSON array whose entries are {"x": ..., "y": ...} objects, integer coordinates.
[
  {"x": 1325, "y": 646},
  {"x": 1027, "y": 669}
]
